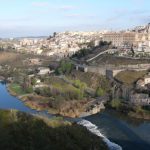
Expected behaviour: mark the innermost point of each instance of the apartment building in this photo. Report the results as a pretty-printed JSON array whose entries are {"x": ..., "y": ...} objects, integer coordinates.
[
  {"x": 142, "y": 41},
  {"x": 119, "y": 39}
]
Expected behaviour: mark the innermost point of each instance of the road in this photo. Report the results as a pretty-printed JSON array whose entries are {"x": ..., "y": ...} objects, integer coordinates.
[{"x": 101, "y": 53}]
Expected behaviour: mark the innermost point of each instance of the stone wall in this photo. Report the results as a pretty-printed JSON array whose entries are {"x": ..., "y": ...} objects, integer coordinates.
[
  {"x": 140, "y": 99},
  {"x": 110, "y": 70}
]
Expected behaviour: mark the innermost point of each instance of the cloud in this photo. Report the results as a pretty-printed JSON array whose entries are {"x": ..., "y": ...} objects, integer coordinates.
[
  {"x": 39, "y": 4},
  {"x": 66, "y": 7},
  {"x": 81, "y": 16},
  {"x": 48, "y": 6},
  {"x": 73, "y": 15}
]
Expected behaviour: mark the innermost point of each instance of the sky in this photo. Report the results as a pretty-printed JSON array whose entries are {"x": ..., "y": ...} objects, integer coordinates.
[{"x": 20, "y": 18}]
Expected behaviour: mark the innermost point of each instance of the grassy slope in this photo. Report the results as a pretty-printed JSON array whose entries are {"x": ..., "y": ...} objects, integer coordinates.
[
  {"x": 17, "y": 59},
  {"x": 129, "y": 77},
  {"x": 112, "y": 60},
  {"x": 20, "y": 131},
  {"x": 16, "y": 89},
  {"x": 92, "y": 80}
]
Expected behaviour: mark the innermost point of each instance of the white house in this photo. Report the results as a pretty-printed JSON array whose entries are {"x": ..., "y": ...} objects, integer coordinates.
[
  {"x": 147, "y": 79},
  {"x": 43, "y": 70}
]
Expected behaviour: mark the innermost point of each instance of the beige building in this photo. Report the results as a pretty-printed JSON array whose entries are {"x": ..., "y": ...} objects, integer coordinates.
[
  {"x": 140, "y": 99},
  {"x": 142, "y": 40},
  {"x": 119, "y": 38},
  {"x": 147, "y": 79}
]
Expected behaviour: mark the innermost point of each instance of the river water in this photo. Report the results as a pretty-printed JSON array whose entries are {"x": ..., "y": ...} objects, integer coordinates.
[
  {"x": 10, "y": 102},
  {"x": 128, "y": 133}
]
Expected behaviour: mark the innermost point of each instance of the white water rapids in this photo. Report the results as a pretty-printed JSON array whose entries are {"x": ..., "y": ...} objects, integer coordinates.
[{"x": 94, "y": 129}]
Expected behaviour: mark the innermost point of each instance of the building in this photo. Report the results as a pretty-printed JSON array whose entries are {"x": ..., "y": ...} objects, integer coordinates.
[
  {"x": 142, "y": 42},
  {"x": 140, "y": 99},
  {"x": 43, "y": 71},
  {"x": 120, "y": 39},
  {"x": 140, "y": 84},
  {"x": 147, "y": 79},
  {"x": 142, "y": 38}
]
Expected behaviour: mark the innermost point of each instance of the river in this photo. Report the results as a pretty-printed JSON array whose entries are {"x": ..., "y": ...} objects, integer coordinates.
[
  {"x": 130, "y": 134},
  {"x": 10, "y": 102}
]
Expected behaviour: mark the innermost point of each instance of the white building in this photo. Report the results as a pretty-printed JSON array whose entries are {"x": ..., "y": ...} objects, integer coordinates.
[
  {"x": 147, "y": 79},
  {"x": 43, "y": 71}
]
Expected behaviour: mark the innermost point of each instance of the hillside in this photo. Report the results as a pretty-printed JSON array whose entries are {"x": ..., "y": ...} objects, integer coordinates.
[
  {"x": 108, "y": 59},
  {"x": 20, "y": 131},
  {"x": 129, "y": 77}
]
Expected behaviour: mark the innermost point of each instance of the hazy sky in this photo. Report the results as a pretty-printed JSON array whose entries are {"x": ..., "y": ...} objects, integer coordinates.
[{"x": 42, "y": 17}]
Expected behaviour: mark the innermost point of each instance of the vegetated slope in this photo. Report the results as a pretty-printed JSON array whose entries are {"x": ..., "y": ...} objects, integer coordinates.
[
  {"x": 14, "y": 59},
  {"x": 129, "y": 77},
  {"x": 117, "y": 61},
  {"x": 6, "y": 57},
  {"x": 92, "y": 80},
  {"x": 20, "y": 131}
]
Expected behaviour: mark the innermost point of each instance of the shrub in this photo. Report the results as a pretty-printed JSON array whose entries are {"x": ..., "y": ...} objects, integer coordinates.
[
  {"x": 65, "y": 67},
  {"x": 29, "y": 89},
  {"x": 80, "y": 85},
  {"x": 20, "y": 131},
  {"x": 99, "y": 92},
  {"x": 116, "y": 103}
]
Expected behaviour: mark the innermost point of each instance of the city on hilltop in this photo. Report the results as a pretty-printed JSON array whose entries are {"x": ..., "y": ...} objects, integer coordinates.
[
  {"x": 83, "y": 83},
  {"x": 79, "y": 74},
  {"x": 68, "y": 43}
]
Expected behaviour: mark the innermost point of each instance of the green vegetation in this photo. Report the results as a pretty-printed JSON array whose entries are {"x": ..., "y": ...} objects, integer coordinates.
[
  {"x": 56, "y": 96},
  {"x": 17, "y": 60},
  {"x": 91, "y": 49},
  {"x": 81, "y": 87},
  {"x": 16, "y": 89},
  {"x": 79, "y": 84},
  {"x": 129, "y": 77},
  {"x": 21, "y": 88},
  {"x": 140, "y": 112},
  {"x": 117, "y": 61},
  {"x": 20, "y": 131},
  {"x": 122, "y": 106},
  {"x": 92, "y": 80},
  {"x": 82, "y": 53},
  {"x": 67, "y": 94},
  {"x": 65, "y": 67},
  {"x": 116, "y": 103},
  {"x": 59, "y": 88},
  {"x": 99, "y": 92}
]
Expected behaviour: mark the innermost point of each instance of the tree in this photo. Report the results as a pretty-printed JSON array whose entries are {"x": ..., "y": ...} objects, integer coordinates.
[
  {"x": 91, "y": 44},
  {"x": 79, "y": 84},
  {"x": 26, "y": 86},
  {"x": 65, "y": 67},
  {"x": 116, "y": 103},
  {"x": 99, "y": 92},
  {"x": 33, "y": 81},
  {"x": 54, "y": 34}
]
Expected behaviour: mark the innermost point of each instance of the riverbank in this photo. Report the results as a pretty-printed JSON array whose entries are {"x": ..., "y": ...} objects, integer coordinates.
[
  {"x": 12, "y": 102},
  {"x": 72, "y": 108},
  {"x": 100, "y": 120},
  {"x": 132, "y": 111},
  {"x": 140, "y": 115}
]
